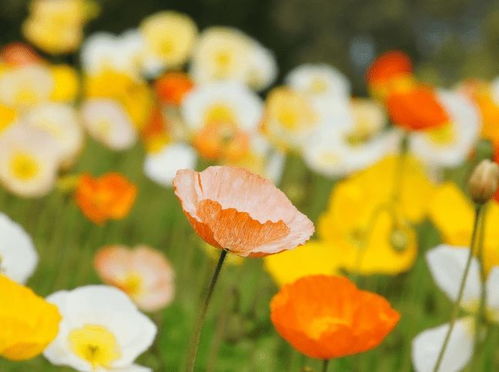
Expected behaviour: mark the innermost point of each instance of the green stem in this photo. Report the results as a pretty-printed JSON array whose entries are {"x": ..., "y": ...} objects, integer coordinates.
[
  {"x": 196, "y": 336},
  {"x": 455, "y": 310},
  {"x": 325, "y": 365},
  {"x": 481, "y": 316}
]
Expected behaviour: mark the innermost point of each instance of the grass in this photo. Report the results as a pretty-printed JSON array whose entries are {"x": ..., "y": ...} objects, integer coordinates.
[{"x": 238, "y": 335}]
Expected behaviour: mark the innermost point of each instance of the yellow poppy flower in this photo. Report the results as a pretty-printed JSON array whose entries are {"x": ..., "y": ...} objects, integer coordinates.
[
  {"x": 452, "y": 213},
  {"x": 28, "y": 322},
  {"x": 134, "y": 94},
  {"x": 369, "y": 216},
  {"x": 312, "y": 258},
  {"x": 388, "y": 247},
  {"x": 66, "y": 83}
]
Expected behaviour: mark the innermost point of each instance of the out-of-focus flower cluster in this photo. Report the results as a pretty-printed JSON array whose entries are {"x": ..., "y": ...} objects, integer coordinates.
[{"x": 187, "y": 96}]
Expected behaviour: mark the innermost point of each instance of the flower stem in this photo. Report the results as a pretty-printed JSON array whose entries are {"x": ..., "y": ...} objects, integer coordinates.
[
  {"x": 325, "y": 365},
  {"x": 455, "y": 310},
  {"x": 481, "y": 316},
  {"x": 196, "y": 336}
]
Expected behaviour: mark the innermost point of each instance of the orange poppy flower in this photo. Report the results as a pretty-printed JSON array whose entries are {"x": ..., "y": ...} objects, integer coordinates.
[
  {"x": 172, "y": 87},
  {"x": 416, "y": 109},
  {"x": 221, "y": 141},
  {"x": 389, "y": 71},
  {"x": 233, "y": 209},
  {"x": 328, "y": 317},
  {"x": 143, "y": 273},
  {"x": 19, "y": 54},
  {"x": 110, "y": 196}
]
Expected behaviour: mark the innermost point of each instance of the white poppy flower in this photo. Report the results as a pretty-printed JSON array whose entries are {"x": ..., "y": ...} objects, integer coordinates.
[
  {"x": 447, "y": 265},
  {"x": 26, "y": 86},
  {"x": 162, "y": 166},
  {"x": 29, "y": 159},
  {"x": 221, "y": 53},
  {"x": 333, "y": 156},
  {"x": 18, "y": 257},
  {"x": 101, "y": 330},
  {"x": 107, "y": 121},
  {"x": 318, "y": 80},
  {"x": 222, "y": 102},
  {"x": 104, "y": 51},
  {"x": 449, "y": 145},
  {"x": 263, "y": 67},
  {"x": 61, "y": 122}
]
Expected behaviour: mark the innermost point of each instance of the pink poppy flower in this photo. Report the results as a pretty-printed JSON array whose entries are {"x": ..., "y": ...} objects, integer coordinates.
[
  {"x": 143, "y": 273},
  {"x": 233, "y": 209}
]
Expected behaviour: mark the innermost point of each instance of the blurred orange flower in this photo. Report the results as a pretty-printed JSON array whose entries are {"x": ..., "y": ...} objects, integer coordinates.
[
  {"x": 110, "y": 196},
  {"x": 142, "y": 272},
  {"x": 233, "y": 209},
  {"x": 172, "y": 87},
  {"x": 417, "y": 108},
  {"x": 328, "y": 317},
  {"x": 19, "y": 54},
  {"x": 389, "y": 71},
  {"x": 222, "y": 141}
]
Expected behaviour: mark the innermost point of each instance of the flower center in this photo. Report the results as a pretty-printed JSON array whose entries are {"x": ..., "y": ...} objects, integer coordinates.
[
  {"x": 442, "y": 135},
  {"x": 24, "y": 166},
  {"x": 318, "y": 85},
  {"x": 94, "y": 344},
  {"x": 132, "y": 284},
  {"x": 219, "y": 113},
  {"x": 323, "y": 324},
  {"x": 25, "y": 97}
]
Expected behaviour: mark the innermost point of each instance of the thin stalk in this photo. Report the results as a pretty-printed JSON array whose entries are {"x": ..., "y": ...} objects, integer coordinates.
[
  {"x": 455, "y": 310},
  {"x": 325, "y": 365},
  {"x": 196, "y": 336},
  {"x": 481, "y": 315}
]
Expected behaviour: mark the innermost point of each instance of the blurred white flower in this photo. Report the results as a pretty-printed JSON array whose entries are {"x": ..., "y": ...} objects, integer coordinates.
[
  {"x": 263, "y": 67},
  {"x": 332, "y": 155},
  {"x": 222, "y": 103},
  {"x": 319, "y": 80},
  {"x": 62, "y": 123},
  {"x": 29, "y": 160},
  {"x": 447, "y": 264},
  {"x": 18, "y": 257},
  {"x": 169, "y": 37},
  {"x": 107, "y": 122},
  {"x": 104, "y": 51},
  {"x": 101, "y": 330},
  {"x": 162, "y": 166},
  {"x": 26, "y": 86},
  {"x": 221, "y": 53},
  {"x": 449, "y": 145}
]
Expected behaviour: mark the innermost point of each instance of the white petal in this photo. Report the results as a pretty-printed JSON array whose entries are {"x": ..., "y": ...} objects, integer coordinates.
[
  {"x": 161, "y": 167},
  {"x": 493, "y": 294},
  {"x": 447, "y": 265},
  {"x": 427, "y": 345}
]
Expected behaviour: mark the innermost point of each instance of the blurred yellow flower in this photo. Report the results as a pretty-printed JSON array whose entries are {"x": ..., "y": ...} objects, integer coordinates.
[
  {"x": 28, "y": 322},
  {"x": 169, "y": 36},
  {"x": 7, "y": 117},
  {"x": 56, "y": 26},
  {"x": 388, "y": 247},
  {"x": 133, "y": 94},
  {"x": 312, "y": 258},
  {"x": 66, "y": 83},
  {"x": 369, "y": 216},
  {"x": 452, "y": 213}
]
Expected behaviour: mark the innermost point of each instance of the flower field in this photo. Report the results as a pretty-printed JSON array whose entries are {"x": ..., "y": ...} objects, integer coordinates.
[{"x": 171, "y": 200}]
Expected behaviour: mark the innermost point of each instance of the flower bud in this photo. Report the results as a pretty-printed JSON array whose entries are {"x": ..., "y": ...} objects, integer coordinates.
[{"x": 484, "y": 181}]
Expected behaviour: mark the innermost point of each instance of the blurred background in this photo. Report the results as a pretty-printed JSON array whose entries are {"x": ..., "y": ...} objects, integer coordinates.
[{"x": 447, "y": 39}]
